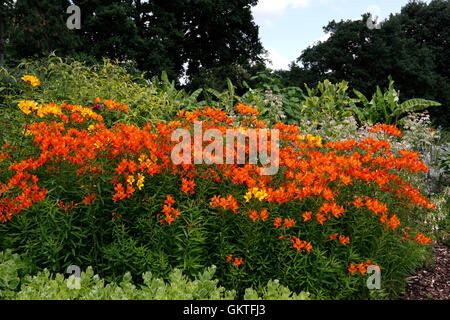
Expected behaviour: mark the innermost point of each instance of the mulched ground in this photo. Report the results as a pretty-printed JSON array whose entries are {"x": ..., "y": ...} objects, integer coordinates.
[{"x": 434, "y": 282}]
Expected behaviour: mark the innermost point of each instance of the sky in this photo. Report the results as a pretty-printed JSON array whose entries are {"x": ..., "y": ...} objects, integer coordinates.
[{"x": 286, "y": 27}]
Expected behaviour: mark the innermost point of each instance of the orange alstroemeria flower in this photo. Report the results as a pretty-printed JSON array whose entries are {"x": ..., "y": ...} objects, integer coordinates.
[
  {"x": 321, "y": 218},
  {"x": 277, "y": 222},
  {"x": 289, "y": 223},
  {"x": 264, "y": 214},
  {"x": 237, "y": 262},
  {"x": 253, "y": 214},
  {"x": 333, "y": 236},
  {"x": 344, "y": 240},
  {"x": 362, "y": 268},
  {"x": 306, "y": 216},
  {"x": 352, "y": 268}
]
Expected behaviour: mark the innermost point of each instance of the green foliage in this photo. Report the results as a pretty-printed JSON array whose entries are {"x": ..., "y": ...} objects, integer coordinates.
[
  {"x": 386, "y": 107},
  {"x": 17, "y": 284},
  {"x": 45, "y": 286},
  {"x": 37, "y": 28},
  {"x": 274, "y": 291},
  {"x": 12, "y": 268},
  {"x": 156, "y": 35},
  {"x": 71, "y": 81},
  {"x": 326, "y": 100},
  {"x": 137, "y": 243},
  {"x": 438, "y": 223},
  {"x": 444, "y": 160},
  {"x": 405, "y": 47}
]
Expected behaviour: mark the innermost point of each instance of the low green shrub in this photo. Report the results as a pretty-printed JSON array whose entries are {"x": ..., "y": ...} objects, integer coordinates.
[
  {"x": 15, "y": 285},
  {"x": 131, "y": 234}
]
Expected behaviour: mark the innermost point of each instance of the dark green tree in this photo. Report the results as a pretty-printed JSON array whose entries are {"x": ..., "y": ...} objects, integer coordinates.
[
  {"x": 200, "y": 39},
  {"x": 5, "y": 22},
  {"x": 429, "y": 25},
  {"x": 411, "y": 46},
  {"x": 39, "y": 27},
  {"x": 221, "y": 39},
  {"x": 108, "y": 30},
  {"x": 160, "y": 26}
]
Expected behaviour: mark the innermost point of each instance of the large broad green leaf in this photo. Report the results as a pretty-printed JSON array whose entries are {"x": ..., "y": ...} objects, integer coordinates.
[
  {"x": 164, "y": 77},
  {"x": 362, "y": 98},
  {"x": 357, "y": 112},
  {"x": 413, "y": 105},
  {"x": 214, "y": 92},
  {"x": 230, "y": 87},
  {"x": 195, "y": 94}
]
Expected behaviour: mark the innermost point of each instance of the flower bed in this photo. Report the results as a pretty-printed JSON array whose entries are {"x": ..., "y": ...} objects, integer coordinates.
[{"x": 112, "y": 197}]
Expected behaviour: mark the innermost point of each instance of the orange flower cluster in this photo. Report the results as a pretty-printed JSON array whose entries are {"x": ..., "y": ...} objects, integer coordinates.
[
  {"x": 277, "y": 222},
  {"x": 113, "y": 105},
  {"x": 228, "y": 203},
  {"x": 169, "y": 212},
  {"x": 335, "y": 209},
  {"x": 50, "y": 108},
  {"x": 420, "y": 238},
  {"x": 378, "y": 207},
  {"x": 392, "y": 223},
  {"x": 89, "y": 199},
  {"x": 307, "y": 169},
  {"x": 244, "y": 109},
  {"x": 373, "y": 205},
  {"x": 361, "y": 267},
  {"x": 27, "y": 106},
  {"x": 289, "y": 223},
  {"x": 342, "y": 239},
  {"x": 32, "y": 80},
  {"x": 23, "y": 183},
  {"x": 237, "y": 262},
  {"x": 389, "y": 129},
  {"x": 187, "y": 186},
  {"x": 264, "y": 214},
  {"x": 301, "y": 244},
  {"x": 79, "y": 114}
]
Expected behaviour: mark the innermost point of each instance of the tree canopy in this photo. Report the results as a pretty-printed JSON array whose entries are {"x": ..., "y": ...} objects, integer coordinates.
[
  {"x": 182, "y": 37},
  {"x": 412, "y": 47}
]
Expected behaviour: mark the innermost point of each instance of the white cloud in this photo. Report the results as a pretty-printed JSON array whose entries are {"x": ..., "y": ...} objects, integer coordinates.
[
  {"x": 325, "y": 37},
  {"x": 266, "y": 10},
  {"x": 278, "y": 61}
]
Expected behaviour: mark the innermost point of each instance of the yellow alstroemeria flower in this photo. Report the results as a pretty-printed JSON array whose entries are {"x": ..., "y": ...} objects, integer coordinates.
[
  {"x": 140, "y": 181},
  {"x": 27, "y": 106},
  {"x": 142, "y": 158},
  {"x": 261, "y": 195},
  {"x": 26, "y": 132},
  {"x": 32, "y": 80},
  {"x": 130, "y": 180}
]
